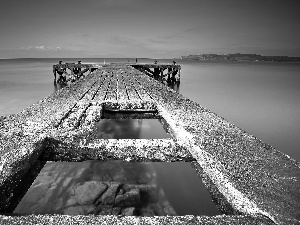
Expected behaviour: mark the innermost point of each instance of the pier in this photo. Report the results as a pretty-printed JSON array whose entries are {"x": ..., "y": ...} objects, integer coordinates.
[
  {"x": 71, "y": 71},
  {"x": 172, "y": 76},
  {"x": 249, "y": 181}
]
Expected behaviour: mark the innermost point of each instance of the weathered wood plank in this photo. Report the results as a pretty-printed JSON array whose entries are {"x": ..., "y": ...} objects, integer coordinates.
[
  {"x": 111, "y": 96},
  {"x": 132, "y": 95},
  {"x": 122, "y": 93},
  {"x": 99, "y": 96}
]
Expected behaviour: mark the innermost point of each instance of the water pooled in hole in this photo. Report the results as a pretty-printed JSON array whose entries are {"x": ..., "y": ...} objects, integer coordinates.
[
  {"x": 130, "y": 129},
  {"x": 117, "y": 188}
]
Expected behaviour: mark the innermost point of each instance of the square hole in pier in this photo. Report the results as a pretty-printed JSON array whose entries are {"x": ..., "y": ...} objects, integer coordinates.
[
  {"x": 130, "y": 129},
  {"x": 118, "y": 188}
]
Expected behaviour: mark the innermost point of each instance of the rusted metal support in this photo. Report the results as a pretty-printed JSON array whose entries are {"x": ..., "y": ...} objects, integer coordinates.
[
  {"x": 156, "y": 73},
  {"x": 54, "y": 73},
  {"x": 161, "y": 74},
  {"x": 178, "y": 79}
]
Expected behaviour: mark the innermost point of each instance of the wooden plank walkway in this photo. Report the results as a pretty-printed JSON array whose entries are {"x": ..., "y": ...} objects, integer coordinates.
[{"x": 243, "y": 174}]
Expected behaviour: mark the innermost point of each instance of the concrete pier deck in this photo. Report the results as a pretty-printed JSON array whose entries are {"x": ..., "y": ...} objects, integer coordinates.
[{"x": 249, "y": 180}]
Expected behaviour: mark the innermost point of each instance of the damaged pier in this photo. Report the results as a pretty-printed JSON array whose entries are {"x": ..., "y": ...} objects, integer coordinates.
[
  {"x": 71, "y": 71},
  {"x": 156, "y": 71},
  {"x": 249, "y": 181}
]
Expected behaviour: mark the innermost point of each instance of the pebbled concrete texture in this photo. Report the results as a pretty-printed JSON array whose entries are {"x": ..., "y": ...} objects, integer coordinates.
[
  {"x": 243, "y": 174},
  {"x": 64, "y": 219}
]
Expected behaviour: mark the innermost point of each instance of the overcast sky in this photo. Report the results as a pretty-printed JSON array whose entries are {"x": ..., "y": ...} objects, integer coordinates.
[{"x": 148, "y": 28}]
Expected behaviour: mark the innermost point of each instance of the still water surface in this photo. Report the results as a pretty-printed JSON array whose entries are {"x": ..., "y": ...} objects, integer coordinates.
[
  {"x": 175, "y": 188},
  {"x": 260, "y": 98},
  {"x": 130, "y": 129}
]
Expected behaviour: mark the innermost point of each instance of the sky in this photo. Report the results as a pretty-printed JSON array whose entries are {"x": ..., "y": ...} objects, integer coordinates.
[{"x": 148, "y": 28}]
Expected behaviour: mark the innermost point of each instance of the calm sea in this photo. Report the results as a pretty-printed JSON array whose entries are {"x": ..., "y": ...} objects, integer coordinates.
[{"x": 261, "y": 98}]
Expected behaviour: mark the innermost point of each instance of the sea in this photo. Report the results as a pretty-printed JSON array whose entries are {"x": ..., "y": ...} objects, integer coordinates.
[{"x": 262, "y": 98}]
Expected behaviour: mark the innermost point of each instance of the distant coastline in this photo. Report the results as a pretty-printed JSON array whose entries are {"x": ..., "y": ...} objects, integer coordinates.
[{"x": 241, "y": 57}]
